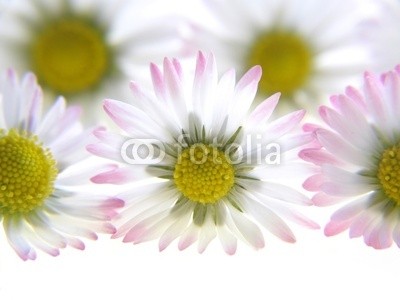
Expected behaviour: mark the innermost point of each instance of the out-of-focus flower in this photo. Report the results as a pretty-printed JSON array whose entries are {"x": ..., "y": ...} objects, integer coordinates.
[
  {"x": 307, "y": 49},
  {"x": 85, "y": 49},
  {"x": 39, "y": 205},
  {"x": 359, "y": 160},
  {"x": 382, "y": 34},
  {"x": 214, "y": 169}
]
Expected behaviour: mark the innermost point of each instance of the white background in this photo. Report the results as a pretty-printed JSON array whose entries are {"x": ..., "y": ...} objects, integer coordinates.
[{"x": 315, "y": 267}]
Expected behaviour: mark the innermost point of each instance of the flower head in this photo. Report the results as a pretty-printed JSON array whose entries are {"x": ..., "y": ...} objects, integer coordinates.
[
  {"x": 40, "y": 207},
  {"x": 81, "y": 49},
  {"x": 358, "y": 158},
  {"x": 306, "y": 48},
  {"x": 208, "y": 167}
]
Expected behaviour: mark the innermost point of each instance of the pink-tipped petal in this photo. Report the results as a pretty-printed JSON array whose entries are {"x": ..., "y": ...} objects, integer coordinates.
[
  {"x": 207, "y": 234},
  {"x": 313, "y": 183},
  {"x": 75, "y": 243},
  {"x": 380, "y": 236},
  {"x": 322, "y": 199},
  {"x": 189, "y": 237},
  {"x": 132, "y": 119},
  {"x": 334, "y": 227},
  {"x": 158, "y": 82},
  {"x": 250, "y": 78},
  {"x": 227, "y": 239},
  {"x": 317, "y": 156},
  {"x": 173, "y": 231},
  {"x": 355, "y": 95},
  {"x": 115, "y": 176},
  {"x": 271, "y": 221},
  {"x": 134, "y": 233},
  {"x": 340, "y": 148},
  {"x": 104, "y": 150},
  {"x": 264, "y": 110},
  {"x": 360, "y": 224},
  {"x": 250, "y": 231},
  {"x": 373, "y": 98},
  {"x": 285, "y": 124}
]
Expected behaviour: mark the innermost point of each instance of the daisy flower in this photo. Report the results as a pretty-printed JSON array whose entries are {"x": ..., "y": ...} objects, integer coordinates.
[
  {"x": 209, "y": 169},
  {"x": 39, "y": 207},
  {"x": 306, "y": 48},
  {"x": 83, "y": 49},
  {"x": 383, "y": 34},
  {"x": 359, "y": 159}
]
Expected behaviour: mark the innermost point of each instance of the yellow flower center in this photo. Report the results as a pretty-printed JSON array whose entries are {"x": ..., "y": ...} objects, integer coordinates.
[
  {"x": 70, "y": 56},
  {"x": 27, "y": 173},
  {"x": 389, "y": 173},
  {"x": 286, "y": 60},
  {"x": 203, "y": 174}
]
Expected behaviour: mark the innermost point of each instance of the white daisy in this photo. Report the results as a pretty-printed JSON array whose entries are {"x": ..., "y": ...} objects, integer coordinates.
[
  {"x": 306, "y": 48},
  {"x": 383, "y": 35},
  {"x": 38, "y": 206},
  {"x": 215, "y": 170},
  {"x": 84, "y": 49},
  {"x": 359, "y": 161}
]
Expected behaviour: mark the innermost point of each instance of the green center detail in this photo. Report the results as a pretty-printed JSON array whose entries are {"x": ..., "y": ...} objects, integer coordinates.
[
  {"x": 70, "y": 56},
  {"x": 389, "y": 173},
  {"x": 203, "y": 174},
  {"x": 286, "y": 60},
  {"x": 27, "y": 173}
]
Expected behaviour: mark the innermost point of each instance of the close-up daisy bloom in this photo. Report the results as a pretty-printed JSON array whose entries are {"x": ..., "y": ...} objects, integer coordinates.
[
  {"x": 307, "y": 49},
  {"x": 359, "y": 160},
  {"x": 40, "y": 207},
  {"x": 202, "y": 165},
  {"x": 84, "y": 49}
]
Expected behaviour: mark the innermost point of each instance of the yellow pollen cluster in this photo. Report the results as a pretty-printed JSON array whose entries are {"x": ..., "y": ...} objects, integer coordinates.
[
  {"x": 389, "y": 173},
  {"x": 27, "y": 173},
  {"x": 286, "y": 60},
  {"x": 203, "y": 174},
  {"x": 70, "y": 56}
]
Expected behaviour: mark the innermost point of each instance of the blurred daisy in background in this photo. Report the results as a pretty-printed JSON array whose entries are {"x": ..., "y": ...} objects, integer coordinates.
[
  {"x": 85, "y": 49},
  {"x": 208, "y": 168},
  {"x": 40, "y": 207},
  {"x": 359, "y": 160},
  {"x": 306, "y": 49},
  {"x": 382, "y": 33}
]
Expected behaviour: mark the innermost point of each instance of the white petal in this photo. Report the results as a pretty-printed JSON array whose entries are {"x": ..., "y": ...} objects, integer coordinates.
[
  {"x": 190, "y": 236},
  {"x": 250, "y": 231},
  {"x": 207, "y": 233},
  {"x": 13, "y": 230},
  {"x": 227, "y": 239},
  {"x": 268, "y": 219}
]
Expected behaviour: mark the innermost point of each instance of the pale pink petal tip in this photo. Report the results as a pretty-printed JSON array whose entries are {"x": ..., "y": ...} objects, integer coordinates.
[
  {"x": 55, "y": 252},
  {"x": 27, "y": 255},
  {"x": 76, "y": 243},
  {"x": 110, "y": 207},
  {"x": 230, "y": 250},
  {"x": 322, "y": 199},
  {"x": 162, "y": 246},
  {"x": 99, "y": 130},
  {"x": 334, "y": 228},
  {"x": 113, "y": 203},
  {"x": 109, "y": 228},
  {"x": 308, "y": 127},
  {"x": 251, "y": 76},
  {"x": 188, "y": 241},
  {"x": 113, "y": 176},
  {"x": 134, "y": 234},
  {"x": 201, "y": 59}
]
